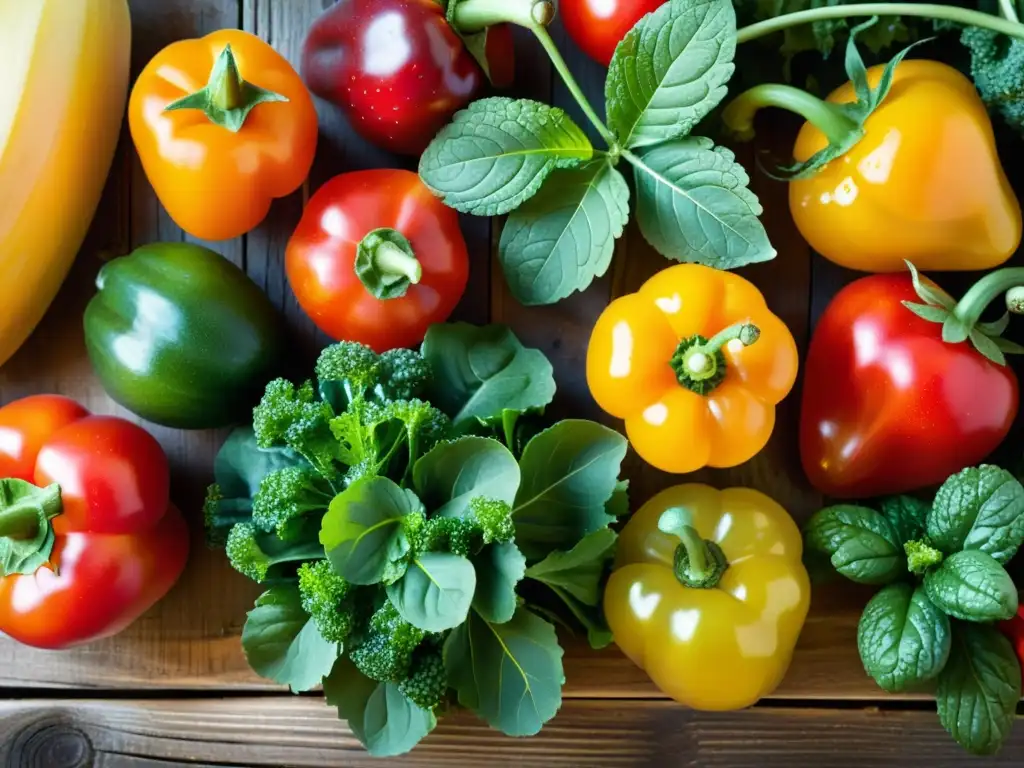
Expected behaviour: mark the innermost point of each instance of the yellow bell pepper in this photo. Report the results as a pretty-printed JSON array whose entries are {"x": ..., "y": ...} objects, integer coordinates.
[
  {"x": 62, "y": 99},
  {"x": 709, "y": 594}
]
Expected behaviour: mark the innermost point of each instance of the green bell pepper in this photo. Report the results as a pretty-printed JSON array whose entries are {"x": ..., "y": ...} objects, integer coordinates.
[{"x": 181, "y": 336}]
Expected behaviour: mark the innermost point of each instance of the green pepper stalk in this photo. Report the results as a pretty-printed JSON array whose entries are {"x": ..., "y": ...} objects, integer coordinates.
[
  {"x": 386, "y": 264},
  {"x": 699, "y": 363},
  {"x": 698, "y": 563}
]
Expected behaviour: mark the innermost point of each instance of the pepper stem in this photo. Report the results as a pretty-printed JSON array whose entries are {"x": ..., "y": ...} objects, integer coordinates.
[
  {"x": 699, "y": 363},
  {"x": 474, "y": 15},
  {"x": 386, "y": 264},
  {"x": 227, "y": 99},
  {"x": 969, "y": 309},
  {"x": 25, "y": 508},
  {"x": 697, "y": 563},
  {"x": 921, "y": 556},
  {"x": 837, "y": 127}
]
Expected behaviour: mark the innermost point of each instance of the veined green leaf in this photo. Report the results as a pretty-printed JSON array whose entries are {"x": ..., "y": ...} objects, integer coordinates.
[
  {"x": 972, "y": 586},
  {"x": 499, "y": 568},
  {"x": 861, "y": 544},
  {"x": 435, "y": 592},
  {"x": 452, "y": 474},
  {"x": 979, "y": 508},
  {"x": 579, "y": 570}
]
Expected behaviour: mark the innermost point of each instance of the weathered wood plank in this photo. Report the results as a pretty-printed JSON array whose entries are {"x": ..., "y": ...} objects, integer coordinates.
[{"x": 278, "y": 731}]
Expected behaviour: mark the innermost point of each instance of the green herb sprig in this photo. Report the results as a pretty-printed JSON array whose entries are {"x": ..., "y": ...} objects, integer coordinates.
[{"x": 416, "y": 521}]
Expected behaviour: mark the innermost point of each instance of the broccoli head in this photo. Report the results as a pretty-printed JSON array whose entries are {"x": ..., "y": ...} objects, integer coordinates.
[
  {"x": 261, "y": 556},
  {"x": 427, "y": 685},
  {"x": 997, "y": 68},
  {"x": 286, "y": 496},
  {"x": 487, "y": 521},
  {"x": 348, "y": 372},
  {"x": 328, "y": 598},
  {"x": 386, "y": 653},
  {"x": 494, "y": 519},
  {"x": 406, "y": 374},
  {"x": 298, "y": 419}
]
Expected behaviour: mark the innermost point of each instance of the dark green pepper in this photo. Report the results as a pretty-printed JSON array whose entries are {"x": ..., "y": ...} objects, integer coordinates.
[{"x": 181, "y": 336}]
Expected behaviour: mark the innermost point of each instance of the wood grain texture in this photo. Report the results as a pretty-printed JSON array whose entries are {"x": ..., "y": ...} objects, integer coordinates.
[{"x": 300, "y": 732}]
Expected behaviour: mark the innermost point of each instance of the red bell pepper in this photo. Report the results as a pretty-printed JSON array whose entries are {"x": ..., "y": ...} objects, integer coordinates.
[
  {"x": 89, "y": 540},
  {"x": 399, "y": 69},
  {"x": 377, "y": 259},
  {"x": 904, "y": 387}
]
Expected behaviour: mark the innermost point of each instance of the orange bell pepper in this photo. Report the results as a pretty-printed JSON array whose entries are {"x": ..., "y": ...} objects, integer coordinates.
[
  {"x": 223, "y": 126},
  {"x": 695, "y": 363}
]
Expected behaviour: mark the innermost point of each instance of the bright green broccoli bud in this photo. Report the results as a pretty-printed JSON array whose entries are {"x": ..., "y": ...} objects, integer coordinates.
[
  {"x": 997, "y": 68},
  {"x": 260, "y": 556},
  {"x": 350, "y": 369},
  {"x": 494, "y": 519},
  {"x": 286, "y": 496},
  {"x": 458, "y": 535},
  {"x": 327, "y": 597},
  {"x": 406, "y": 374},
  {"x": 220, "y": 515},
  {"x": 282, "y": 404},
  {"x": 427, "y": 684},
  {"x": 385, "y": 655}
]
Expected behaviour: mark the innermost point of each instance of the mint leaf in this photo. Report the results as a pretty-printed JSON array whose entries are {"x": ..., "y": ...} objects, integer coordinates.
[
  {"x": 380, "y": 716},
  {"x": 559, "y": 241},
  {"x": 972, "y": 586},
  {"x": 670, "y": 71},
  {"x": 362, "y": 530},
  {"x": 35, "y": 507},
  {"x": 978, "y": 691},
  {"x": 510, "y": 674},
  {"x": 979, "y": 508},
  {"x": 479, "y": 372},
  {"x": 496, "y": 153},
  {"x": 452, "y": 474},
  {"x": 570, "y": 471},
  {"x": 435, "y": 592},
  {"x": 903, "y": 638},
  {"x": 282, "y": 643},
  {"x": 499, "y": 568},
  {"x": 580, "y": 570},
  {"x": 693, "y": 205},
  {"x": 861, "y": 544},
  {"x": 907, "y": 516}
]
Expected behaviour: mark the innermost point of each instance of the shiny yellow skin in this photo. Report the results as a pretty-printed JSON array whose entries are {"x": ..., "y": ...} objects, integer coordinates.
[
  {"x": 925, "y": 183},
  {"x": 725, "y": 647},
  {"x": 62, "y": 99}
]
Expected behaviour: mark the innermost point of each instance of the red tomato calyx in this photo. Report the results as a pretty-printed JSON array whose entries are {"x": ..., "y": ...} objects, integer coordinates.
[
  {"x": 698, "y": 563},
  {"x": 26, "y": 535},
  {"x": 386, "y": 264},
  {"x": 962, "y": 320},
  {"x": 227, "y": 99},
  {"x": 699, "y": 363}
]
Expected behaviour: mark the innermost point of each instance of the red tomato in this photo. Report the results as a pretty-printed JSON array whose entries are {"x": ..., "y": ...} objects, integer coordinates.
[
  {"x": 119, "y": 543},
  {"x": 888, "y": 406},
  {"x": 597, "y": 26},
  {"x": 388, "y": 298}
]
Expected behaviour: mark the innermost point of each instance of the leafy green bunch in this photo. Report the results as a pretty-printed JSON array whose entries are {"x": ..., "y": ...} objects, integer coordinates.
[
  {"x": 931, "y": 626},
  {"x": 568, "y": 201},
  {"x": 416, "y": 523}
]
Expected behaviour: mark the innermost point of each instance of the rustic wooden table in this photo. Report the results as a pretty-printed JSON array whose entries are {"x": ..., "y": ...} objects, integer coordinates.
[{"x": 175, "y": 687}]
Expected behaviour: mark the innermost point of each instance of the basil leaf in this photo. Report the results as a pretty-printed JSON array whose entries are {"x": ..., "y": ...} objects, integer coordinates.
[
  {"x": 860, "y": 542},
  {"x": 37, "y": 507},
  {"x": 979, "y": 508},
  {"x": 670, "y": 71},
  {"x": 481, "y": 372},
  {"x": 282, "y": 643},
  {"x": 496, "y": 153},
  {"x": 907, "y": 516},
  {"x": 580, "y": 570},
  {"x": 362, "y": 530},
  {"x": 435, "y": 592},
  {"x": 452, "y": 474},
  {"x": 972, "y": 586},
  {"x": 978, "y": 691},
  {"x": 560, "y": 240},
  {"x": 693, "y": 205},
  {"x": 499, "y": 568},
  {"x": 570, "y": 471},
  {"x": 380, "y": 716},
  {"x": 510, "y": 674},
  {"x": 903, "y": 638}
]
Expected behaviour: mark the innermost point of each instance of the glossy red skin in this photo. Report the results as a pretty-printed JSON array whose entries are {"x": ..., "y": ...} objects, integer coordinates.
[
  {"x": 888, "y": 407},
  {"x": 120, "y": 544},
  {"x": 597, "y": 26},
  {"x": 320, "y": 258},
  {"x": 395, "y": 67}
]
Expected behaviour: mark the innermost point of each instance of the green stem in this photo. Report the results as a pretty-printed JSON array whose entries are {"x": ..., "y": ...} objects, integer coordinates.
[
  {"x": 19, "y": 521},
  {"x": 225, "y": 82},
  {"x": 697, "y": 563},
  {"x": 470, "y": 16},
  {"x": 952, "y": 13},
  {"x": 562, "y": 68},
  {"x": 968, "y": 311},
  {"x": 699, "y": 365},
  {"x": 393, "y": 261},
  {"x": 1008, "y": 11},
  {"x": 738, "y": 116}
]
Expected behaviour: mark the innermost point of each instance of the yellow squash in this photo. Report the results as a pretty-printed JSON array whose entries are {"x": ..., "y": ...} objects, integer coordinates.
[{"x": 64, "y": 86}]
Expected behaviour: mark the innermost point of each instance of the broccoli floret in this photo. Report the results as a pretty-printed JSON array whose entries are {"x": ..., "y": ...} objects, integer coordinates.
[
  {"x": 260, "y": 555},
  {"x": 427, "y": 685},
  {"x": 286, "y": 496},
  {"x": 494, "y": 519},
  {"x": 385, "y": 655},
  {"x": 220, "y": 515},
  {"x": 997, "y": 68},
  {"x": 406, "y": 374},
  {"x": 327, "y": 597},
  {"x": 296, "y": 418},
  {"x": 349, "y": 372},
  {"x": 458, "y": 535}
]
